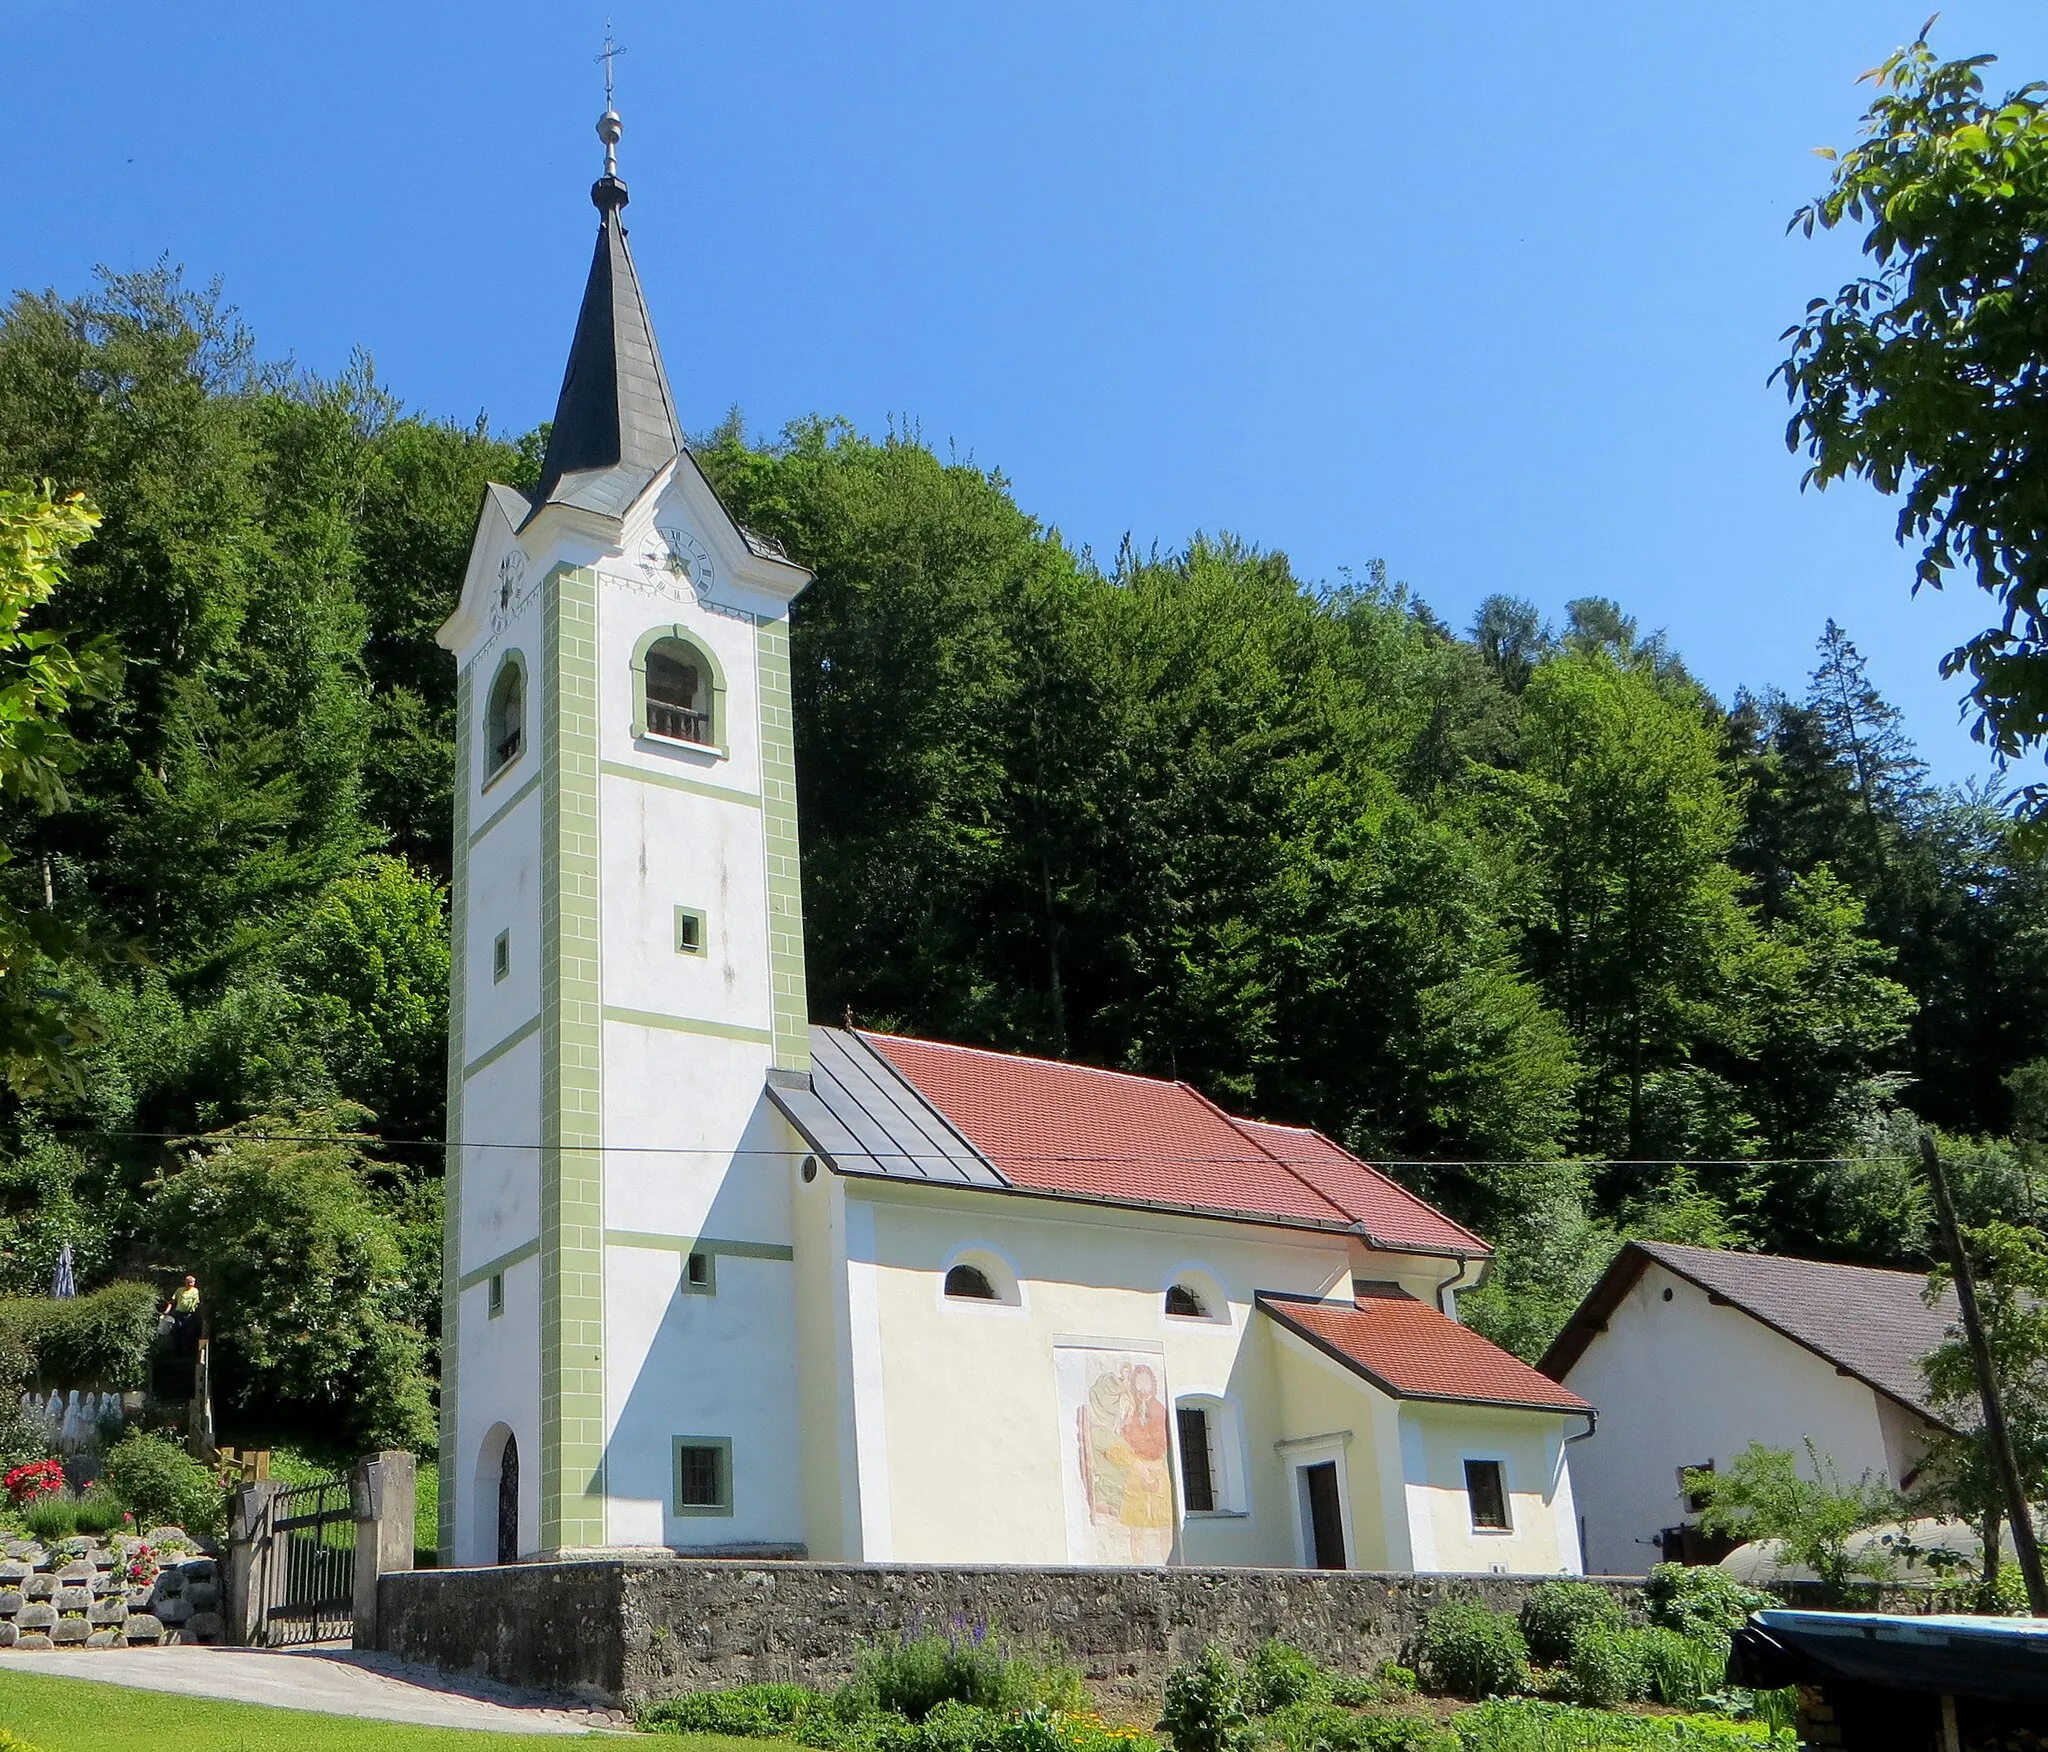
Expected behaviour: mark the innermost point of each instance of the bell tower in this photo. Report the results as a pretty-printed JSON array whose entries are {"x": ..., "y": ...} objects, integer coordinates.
[{"x": 618, "y": 1333}]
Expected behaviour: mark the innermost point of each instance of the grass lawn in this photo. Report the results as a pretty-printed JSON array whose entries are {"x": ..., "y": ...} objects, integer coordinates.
[{"x": 85, "y": 1715}]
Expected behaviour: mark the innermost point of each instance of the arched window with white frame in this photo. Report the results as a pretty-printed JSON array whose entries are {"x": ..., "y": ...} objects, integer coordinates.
[
  {"x": 977, "y": 1276},
  {"x": 505, "y": 715},
  {"x": 678, "y": 690}
]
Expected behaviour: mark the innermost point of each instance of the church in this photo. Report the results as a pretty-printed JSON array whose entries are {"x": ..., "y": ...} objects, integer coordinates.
[{"x": 723, "y": 1282}]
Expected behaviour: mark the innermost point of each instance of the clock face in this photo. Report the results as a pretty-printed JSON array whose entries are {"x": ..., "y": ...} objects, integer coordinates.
[
  {"x": 511, "y": 569},
  {"x": 674, "y": 551}
]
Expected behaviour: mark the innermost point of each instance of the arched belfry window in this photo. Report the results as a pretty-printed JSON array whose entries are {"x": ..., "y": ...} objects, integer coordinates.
[
  {"x": 678, "y": 691},
  {"x": 505, "y": 715}
]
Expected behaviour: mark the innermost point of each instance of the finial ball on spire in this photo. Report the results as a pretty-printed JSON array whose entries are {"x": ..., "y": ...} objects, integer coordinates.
[{"x": 610, "y": 128}]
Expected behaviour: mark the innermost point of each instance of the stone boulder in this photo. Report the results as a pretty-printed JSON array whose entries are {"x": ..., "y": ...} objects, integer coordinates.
[
  {"x": 203, "y": 1627},
  {"x": 72, "y": 1599},
  {"x": 36, "y": 1615},
  {"x": 70, "y": 1632},
  {"x": 33, "y": 1641},
  {"x": 106, "y": 1639},
  {"x": 143, "y": 1627}
]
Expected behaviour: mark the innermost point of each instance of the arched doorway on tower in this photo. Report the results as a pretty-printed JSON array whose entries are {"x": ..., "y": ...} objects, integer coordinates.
[{"x": 497, "y": 1497}]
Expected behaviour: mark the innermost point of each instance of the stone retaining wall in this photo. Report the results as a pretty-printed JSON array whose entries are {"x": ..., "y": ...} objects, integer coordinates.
[
  {"x": 77, "y": 1594},
  {"x": 624, "y": 1631}
]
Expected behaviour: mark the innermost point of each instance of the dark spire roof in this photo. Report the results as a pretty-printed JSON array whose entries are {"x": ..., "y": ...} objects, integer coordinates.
[{"x": 615, "y": 424}]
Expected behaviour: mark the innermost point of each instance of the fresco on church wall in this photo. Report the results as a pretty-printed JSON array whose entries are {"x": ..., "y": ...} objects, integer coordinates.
[{"x": 1113, "y": 1417}]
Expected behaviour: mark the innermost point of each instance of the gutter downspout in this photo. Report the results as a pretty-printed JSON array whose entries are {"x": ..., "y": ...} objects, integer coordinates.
[
  {"x": 1451, "y": 1283},
  {"x": 1592, "y": 1416}
]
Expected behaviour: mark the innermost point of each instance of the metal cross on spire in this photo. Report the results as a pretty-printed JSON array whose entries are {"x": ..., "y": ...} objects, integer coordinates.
[
  {"x": 607, "y": 55},
  {"x": 609, "y": 127}
]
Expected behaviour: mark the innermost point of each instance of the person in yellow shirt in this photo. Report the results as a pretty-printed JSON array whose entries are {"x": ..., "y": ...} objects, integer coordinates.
[{"x": 183, "y": 1312}]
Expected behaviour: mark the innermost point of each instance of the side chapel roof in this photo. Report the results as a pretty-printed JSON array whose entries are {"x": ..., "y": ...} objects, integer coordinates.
[
  {"x": 886, "y": 1105},
  {"x": 1410, "y": 1351},
  {"x": 1873, "y": 1325}
]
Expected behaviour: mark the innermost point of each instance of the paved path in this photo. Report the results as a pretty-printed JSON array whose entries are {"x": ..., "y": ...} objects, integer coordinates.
[{"x": 329, "y": 1678}]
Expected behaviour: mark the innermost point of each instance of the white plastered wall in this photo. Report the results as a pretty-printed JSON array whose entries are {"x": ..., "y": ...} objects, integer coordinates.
[
  {"x": 1683, "y": 1382},
  {"x": 695, "y": 1157},
  {"x": 497, "y": 1372},
  {"x": 960, "y": 1450},
  {"x": 1542, "y": 1534},
  {"x": 956, "y": 1427}
]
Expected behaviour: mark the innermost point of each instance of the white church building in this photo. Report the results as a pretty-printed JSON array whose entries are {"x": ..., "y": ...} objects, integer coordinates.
[{"x": 722, "y": 1282}]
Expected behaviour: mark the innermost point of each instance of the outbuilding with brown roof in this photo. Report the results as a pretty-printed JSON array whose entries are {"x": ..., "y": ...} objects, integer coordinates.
[{"x": 1693, "y": 1353}]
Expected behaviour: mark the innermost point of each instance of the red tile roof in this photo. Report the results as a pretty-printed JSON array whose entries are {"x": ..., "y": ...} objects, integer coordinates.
[
  {"x": 1065, "y": 1128},
  {"x": 1406, "y": 1348}
]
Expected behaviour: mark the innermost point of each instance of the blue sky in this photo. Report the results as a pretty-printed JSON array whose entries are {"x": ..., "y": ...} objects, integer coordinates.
[{"x": 1489, "y": 291}]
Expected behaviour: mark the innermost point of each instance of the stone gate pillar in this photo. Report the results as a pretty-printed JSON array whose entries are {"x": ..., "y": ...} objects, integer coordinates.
[{"x": 382, "y": 1490}]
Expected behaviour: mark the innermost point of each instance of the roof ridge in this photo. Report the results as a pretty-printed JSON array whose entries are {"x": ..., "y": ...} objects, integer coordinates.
[
  {"x": 1237, "y": 1125},
  {"x": 1692, "y": 1250},
  {"x": 1025, "y": 1058}
]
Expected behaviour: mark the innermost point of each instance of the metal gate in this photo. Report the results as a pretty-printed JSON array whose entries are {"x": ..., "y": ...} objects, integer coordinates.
[{"x": 302, "y": 1572}]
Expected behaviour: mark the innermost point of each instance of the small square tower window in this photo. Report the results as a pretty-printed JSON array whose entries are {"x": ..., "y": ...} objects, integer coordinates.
[
  {"x": 1486, "y": 1491},
  {"x": 703, "y": 1475},
  {"x": 501, "y": 957},
  {"x": 497, "y": 1297},
  {"x": 700, "y": 1274},
  {"x": 689, "y": 931}
]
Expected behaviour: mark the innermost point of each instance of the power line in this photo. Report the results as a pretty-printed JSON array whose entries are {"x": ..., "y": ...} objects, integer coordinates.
[{"x": 1383, "y": 1164}]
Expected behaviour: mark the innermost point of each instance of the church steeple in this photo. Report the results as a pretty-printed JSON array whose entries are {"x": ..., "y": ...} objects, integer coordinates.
[{"x": 615, "y": 422}]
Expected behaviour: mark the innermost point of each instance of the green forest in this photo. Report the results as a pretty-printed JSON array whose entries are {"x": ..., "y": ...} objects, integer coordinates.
[{"x": 1520, "y": 910}]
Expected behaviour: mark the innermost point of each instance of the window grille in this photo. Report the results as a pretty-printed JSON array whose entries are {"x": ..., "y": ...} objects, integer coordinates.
[
  {"x": 702, "y": 1476},
  {"x": 1197, "y": 1464},
  {"x": 970, "y": 1283}
]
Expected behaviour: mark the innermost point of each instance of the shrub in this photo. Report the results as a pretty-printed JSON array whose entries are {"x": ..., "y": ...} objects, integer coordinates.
[
  {"x": 909, "y": 1676},
  {"x": 38, "y": 1478},
  {"x": 1607, "y": 1666},
  {"x": 13, "y": 1742},
  {"x": 1523, "y": 1724},
  {"x": 52, "y": 1517},
  {"x": 1396, "y": 1680},
  {"x": 163, "y": 1485},
  {"x": 100, "y": 1509},
  {"x": 1682, "y": 1671},
  {"x": 1354, "y": 1692},
  {"x": 1700, "y": 1602},
  {"x": 746, "y": 1712},
  {"x": 1205, "y": 1706},
  {"x": 1280, "y": 1674},
  {"x": 1469, "y": 1650},
  {"x": 953, "y": 1726},
  {"x": 102, "y": 1340},
  {"x": 1320, "y": 1727},
  {"x": 1554, "y": 1611}
]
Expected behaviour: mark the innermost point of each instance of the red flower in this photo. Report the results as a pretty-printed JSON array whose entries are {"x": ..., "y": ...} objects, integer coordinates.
[{"x": 39, "y": 1478}]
